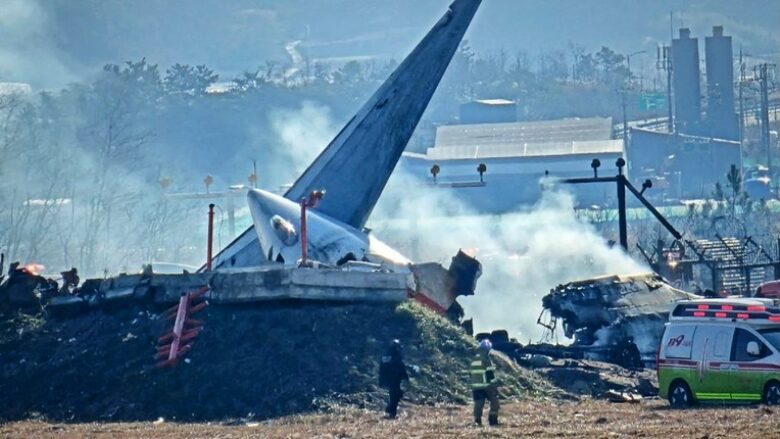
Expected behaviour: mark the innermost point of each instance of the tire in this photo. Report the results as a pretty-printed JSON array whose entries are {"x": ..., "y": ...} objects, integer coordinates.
[
  {"x": 680, "y": 396},
  {"x": 772, "y": 393}
]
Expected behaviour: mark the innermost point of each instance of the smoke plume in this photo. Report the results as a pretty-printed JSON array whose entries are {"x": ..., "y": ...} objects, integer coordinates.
[
  {"x": 523, "y": 254},
  {"x": 27, "y": 50},
  {"x": 303, "y": 133}
]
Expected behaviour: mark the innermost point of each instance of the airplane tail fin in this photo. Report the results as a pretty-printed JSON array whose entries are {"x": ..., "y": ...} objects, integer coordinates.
[{"x": 355, "y": 167}]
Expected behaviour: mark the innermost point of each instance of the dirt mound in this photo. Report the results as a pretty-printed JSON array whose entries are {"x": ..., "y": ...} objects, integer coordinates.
[{"x": 249, "y": 362}]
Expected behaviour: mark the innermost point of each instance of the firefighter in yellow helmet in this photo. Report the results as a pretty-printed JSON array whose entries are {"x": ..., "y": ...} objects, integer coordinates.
[{"x": 484, "y": 383}]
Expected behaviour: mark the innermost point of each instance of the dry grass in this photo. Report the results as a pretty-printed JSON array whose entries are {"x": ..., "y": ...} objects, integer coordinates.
[{"x": 520, "y": 419}]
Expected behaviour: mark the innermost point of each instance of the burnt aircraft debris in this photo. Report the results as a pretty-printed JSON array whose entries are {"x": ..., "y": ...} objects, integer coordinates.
[
  {"x": 25, "y": 288},
  {"x": 612, "y": 318},
  {"x": 430, "y": 284}
]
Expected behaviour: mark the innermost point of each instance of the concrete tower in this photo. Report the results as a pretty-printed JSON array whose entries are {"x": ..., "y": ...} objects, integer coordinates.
[
  {"x": 722, "y": 120},
  {"x": 687, "y": 90}
]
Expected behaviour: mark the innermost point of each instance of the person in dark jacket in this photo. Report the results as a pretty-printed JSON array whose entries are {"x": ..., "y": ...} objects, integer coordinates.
[{"x": 392, "y": 371}]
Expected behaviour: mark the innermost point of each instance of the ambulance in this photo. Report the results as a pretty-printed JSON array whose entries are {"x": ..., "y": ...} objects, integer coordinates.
[{"x": 721, "y": 350}]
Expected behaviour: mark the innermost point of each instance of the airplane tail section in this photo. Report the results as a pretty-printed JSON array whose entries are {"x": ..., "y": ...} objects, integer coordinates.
[{"x": 355, "y": 167}]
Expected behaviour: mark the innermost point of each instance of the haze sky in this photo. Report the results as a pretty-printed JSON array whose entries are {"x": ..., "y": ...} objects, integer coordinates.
[{"x": 48, "y": 43}]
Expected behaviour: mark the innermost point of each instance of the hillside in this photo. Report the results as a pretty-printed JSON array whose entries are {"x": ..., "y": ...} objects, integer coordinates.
[{"x": 254, "y": 362}]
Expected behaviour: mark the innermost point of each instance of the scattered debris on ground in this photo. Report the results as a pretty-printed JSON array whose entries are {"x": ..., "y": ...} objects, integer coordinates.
[
  {"x": 596, "y": 379},
  {"x": 615, "y": 396}
]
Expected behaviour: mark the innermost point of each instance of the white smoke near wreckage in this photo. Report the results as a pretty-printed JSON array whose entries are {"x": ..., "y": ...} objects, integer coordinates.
[
  {"x": 523, "y": 254},
  {"x": 302, "y": 134}
]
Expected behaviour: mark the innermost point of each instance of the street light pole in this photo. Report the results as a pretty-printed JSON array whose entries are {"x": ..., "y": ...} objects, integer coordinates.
[
  {"x": 628, "y": 63},
  {"x": 628, "y": 86}
]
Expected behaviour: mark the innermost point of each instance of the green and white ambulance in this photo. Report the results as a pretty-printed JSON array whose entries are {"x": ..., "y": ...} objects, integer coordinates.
[{"x": 721, "y": 350}]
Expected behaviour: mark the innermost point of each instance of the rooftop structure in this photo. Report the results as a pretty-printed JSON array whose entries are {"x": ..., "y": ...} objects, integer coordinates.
[
  {"x": 488, "y": 111},
  {"x": 520, "y": 133},
  {"x": 525, "y": 150}
]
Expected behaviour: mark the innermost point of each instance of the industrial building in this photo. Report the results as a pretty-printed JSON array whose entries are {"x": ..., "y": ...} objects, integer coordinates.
[
  {"x": 689, "y": 166},
  {"x": 685, "y": 163},
  {"x": 516, "y": 156},
  {"x": 705, "y": 140}
]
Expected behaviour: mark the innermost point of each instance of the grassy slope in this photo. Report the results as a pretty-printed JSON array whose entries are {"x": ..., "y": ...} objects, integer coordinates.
[{"x": 249, "y": 362}]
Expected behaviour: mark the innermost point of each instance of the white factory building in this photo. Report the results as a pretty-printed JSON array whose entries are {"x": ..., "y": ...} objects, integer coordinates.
[{"x": 517, "y": 155}]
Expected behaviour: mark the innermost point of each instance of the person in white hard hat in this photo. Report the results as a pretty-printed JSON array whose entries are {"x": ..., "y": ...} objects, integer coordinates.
[{"x": 484, "y": 383}]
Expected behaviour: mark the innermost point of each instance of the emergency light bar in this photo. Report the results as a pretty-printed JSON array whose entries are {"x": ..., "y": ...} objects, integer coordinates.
[{"x": 727, "y": 311}]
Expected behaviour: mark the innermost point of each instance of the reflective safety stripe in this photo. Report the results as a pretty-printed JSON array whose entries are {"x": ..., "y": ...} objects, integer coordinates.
[
  {"x": 478, "y": 375},
  {"x": 713, "y": 395},
  {"x": 746, "y": 396},
  {"x": 482, "y": 374}
]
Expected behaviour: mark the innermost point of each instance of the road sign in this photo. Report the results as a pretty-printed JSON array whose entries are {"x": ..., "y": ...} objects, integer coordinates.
[{"x": 652, "y": 101}]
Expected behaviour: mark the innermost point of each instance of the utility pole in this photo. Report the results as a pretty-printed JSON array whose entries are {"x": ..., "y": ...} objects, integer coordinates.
[
  {"x": 664, "y": 62},
  {"x": 621, "y": 196},
  {"x": 625, "y": 124},
  {"x": 763, "y": 77},
  {"x": 741, "y": 114},
  {"x": 668, "y": 67},
  {"x": 628, "y": 64},
  {"x": 628, "y": 87}
]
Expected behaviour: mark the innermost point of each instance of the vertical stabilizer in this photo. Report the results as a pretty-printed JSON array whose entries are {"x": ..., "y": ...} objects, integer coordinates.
[{"x": 354, "y": 168}]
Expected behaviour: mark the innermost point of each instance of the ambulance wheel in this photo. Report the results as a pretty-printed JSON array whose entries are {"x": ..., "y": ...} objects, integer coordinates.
[
  {"x": 680, "y": 396},
  {"x": 772, "y": 393}
]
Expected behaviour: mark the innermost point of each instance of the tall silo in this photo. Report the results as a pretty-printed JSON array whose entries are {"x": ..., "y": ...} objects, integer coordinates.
[
  {"x": 721, "y": 115},
  {"x": 687, "y": 90}
]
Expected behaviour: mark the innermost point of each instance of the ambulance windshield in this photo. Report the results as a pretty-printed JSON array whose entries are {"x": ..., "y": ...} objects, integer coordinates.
[{"x": 772, "y": 336}]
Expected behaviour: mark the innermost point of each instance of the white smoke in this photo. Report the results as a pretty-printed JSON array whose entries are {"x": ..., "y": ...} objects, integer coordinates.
[
  {"x": 27, "y": 50},
  {"x": 303, "y": 133},
  {"x": 523, "y": 254}
]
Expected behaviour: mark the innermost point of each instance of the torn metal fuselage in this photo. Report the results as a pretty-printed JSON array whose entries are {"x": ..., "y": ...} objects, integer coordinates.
[{"x": 616, "y": 310}]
